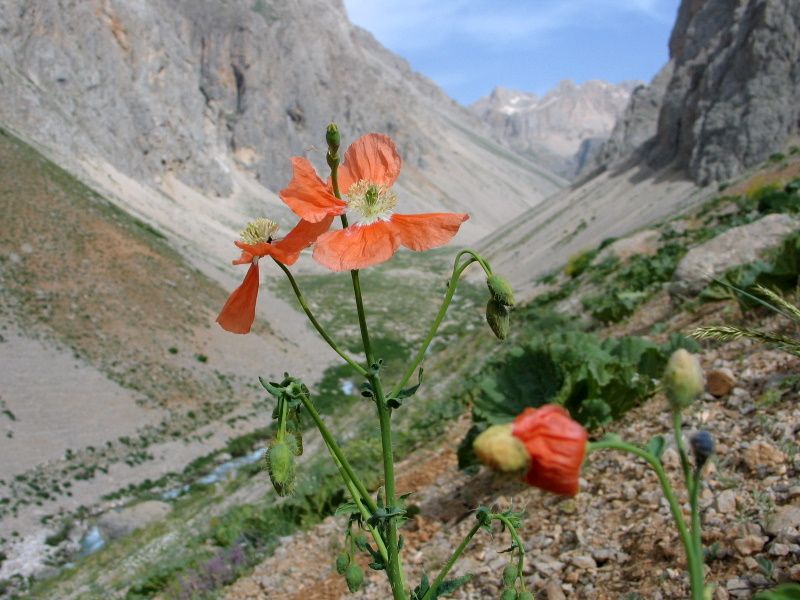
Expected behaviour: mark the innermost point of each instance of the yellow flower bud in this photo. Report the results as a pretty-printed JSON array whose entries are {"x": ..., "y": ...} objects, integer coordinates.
[
  {"x": 683, "y": 379},
  {"x": 499, "y": 449}
]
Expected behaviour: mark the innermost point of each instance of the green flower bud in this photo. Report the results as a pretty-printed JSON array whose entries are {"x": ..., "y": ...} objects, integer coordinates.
[
  {"x": 497, "y": 316},
  {"x": 526, "y": 595},
  {"x": 333, "y": 138},
  {"x": 295, "y": 442},
  {"x": 354, "y": 576},
  {"x": 342, "y": 562},
  {"x": 510, "y": 574},
  {"x": 501, "y": 290},
  {"x": 508, "y": 594},
  {"x": 361, "y": 542},
  {"x": 280, "y": 464},
  {"x": 683, "y": 379}
]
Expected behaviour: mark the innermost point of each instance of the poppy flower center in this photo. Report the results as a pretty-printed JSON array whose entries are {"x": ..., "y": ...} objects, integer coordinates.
[
  {"x": 260, "y": 230},
  {"x": 370, "y": 202}
]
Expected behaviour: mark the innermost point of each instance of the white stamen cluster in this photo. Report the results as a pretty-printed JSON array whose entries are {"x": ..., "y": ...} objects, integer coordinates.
[
  {"x": 370, "y": 202},
  {"x": 260, "y": 230}
]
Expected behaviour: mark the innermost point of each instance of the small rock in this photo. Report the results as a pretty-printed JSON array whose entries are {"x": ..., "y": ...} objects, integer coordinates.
[
  {"x": 762, "y": 454},
  {"x": 726, "y": 502},
  {"x": 719, "y": 382},
  {"x": 547, "y": 565},
  {"x": 786, "y": 517},
  {"x": 583, "y": 561},
  {"x": 750, "y": 544},
  {"x": 720, "y": 593},
  {"x": 553, "y": 590},
  {"x": 779, "y": 550},
  {"x": 794, "y": 572},
  {"x": 738, "y": 587}
]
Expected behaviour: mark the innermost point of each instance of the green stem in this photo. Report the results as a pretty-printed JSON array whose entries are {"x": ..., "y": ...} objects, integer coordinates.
[
  {"x": 452, "y": 561},
  {"x": 448, "y": 297},
  {"x": 695, "y": 567},
  {"x": 284, "y": 411},
  {"x": 697, "y": 527},
  {"x": 357, "y": 499},
  {"x": 337, "y": 452},
  {"x": 687, "y": 469},
  {"x": 520, "y": 546},
  {"x": 300, "y": 298}
]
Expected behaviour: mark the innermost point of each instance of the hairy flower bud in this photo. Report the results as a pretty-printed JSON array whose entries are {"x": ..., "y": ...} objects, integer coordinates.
[
  {"x": 354, "y": 576},
  {"x": 497, "y": 316},
  {"x": 702, "y": 447},
  {"x": 526, "y": 595},
  {"x": 499, "y": 449},
  {"x": 333, "y": 138},
  {"x": 508, "y": 594},
  {"x": 683, "y": 379},
  {"x": 280, "y": 464},
  {"x": 501, "y": 290},
  {"x": 510, "y": 574},
  {"x": 342, "y": 562}
]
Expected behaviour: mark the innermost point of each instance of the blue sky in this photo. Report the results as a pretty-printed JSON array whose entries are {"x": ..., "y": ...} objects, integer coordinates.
[{"x": 470, "y": 46}]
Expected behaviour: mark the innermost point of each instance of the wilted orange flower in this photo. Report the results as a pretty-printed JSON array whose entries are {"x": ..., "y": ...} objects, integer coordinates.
[
  {"x": 556, "y": 445},
  {"x": 256, "y": 241},
  {"x": 371, "y": 165}
]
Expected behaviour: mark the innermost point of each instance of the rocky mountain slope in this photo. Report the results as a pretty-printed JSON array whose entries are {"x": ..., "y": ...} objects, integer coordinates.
[
  {"x": 561, "y": 129},
  {"x": 724, "y": 103},
  {"x": 202, "y": 103}
]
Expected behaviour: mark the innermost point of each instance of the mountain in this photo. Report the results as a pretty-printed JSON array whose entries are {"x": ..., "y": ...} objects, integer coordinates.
[
  {"x": 724, "y": 103},
  {"x": 186, "y": 112},
  {"x": 560, "y": 129}
]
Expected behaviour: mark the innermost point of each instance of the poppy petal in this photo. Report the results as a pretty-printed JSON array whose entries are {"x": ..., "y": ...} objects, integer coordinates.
[
  {"x": 239, "y": 312},
  {"x": 426, "y": 231},
  {"x": 302, "y": 236},
  {"x": 307, "y": 195},
  {"x": 356, "y": 247},
  {"x": 372, "y": 157}
]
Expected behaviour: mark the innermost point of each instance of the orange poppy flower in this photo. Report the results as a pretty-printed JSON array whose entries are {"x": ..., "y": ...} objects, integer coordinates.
[
  {"x": 556, "y": 445},
  {"x": 239, "y": 312},
  {"x": 371, "y": 165}
]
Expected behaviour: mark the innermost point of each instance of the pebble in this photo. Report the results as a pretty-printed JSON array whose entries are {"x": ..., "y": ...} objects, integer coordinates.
[
  {"x": 763, "y": 454},
  {"x": 784, "y": 518},
  {"x": 750, "y": 544},
  {"x": 726, "y": 502},
  {"x": 553, "y": 590},
  {"x": 719, "y": 382},
  {"x": 583, "y": 561}
]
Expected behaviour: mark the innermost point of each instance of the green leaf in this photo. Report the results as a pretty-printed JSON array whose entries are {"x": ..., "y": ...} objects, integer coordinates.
[
  {"x": 348, "y": 508},
  {"x": 656, "y": 446},
  {"x": 786, "y": 591},
  {"x": 451, "y": 585}
]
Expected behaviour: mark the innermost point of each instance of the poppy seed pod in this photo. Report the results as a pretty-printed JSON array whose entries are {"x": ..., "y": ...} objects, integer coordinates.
[
  {"x": 499, "y": 449},
  {"x": 501, "y": 290},
  {"x": 342, "y": 562},
  {"x": 497, "y": 316},
  {"x": 683, "y": 379},
  {"x": 280, "y": 464},
  {"x": 354, "y": 577}
]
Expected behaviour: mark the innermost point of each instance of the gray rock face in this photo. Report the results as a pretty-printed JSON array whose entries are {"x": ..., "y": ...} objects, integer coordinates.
[
  {"x": 635, "y": 127},
  {"x": 733, "y": 96},
  {"x": 119, "y": 523},
  {"x": 561, "y": 129},
  {"x": 197, "y": 89},
  {"x": 737, "y": 246}
]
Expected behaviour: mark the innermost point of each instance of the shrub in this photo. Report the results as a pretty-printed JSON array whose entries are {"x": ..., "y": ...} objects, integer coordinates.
[{"x": 579, "y": 262}]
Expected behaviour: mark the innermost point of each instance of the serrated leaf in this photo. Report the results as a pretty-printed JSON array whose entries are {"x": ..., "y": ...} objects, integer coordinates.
[{"x": 451, "y": 585}]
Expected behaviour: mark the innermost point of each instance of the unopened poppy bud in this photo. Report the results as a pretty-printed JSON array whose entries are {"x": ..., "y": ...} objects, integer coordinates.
[
  {"x": 510, "y": 574},
  {"x": 702, "y": 447},
  {"x": 683, "y": 379},
  {"x": 526, "y": 595},
  {"x": 354, "y": 576},
  {"x": 333, "y": 138},
  {"x": 497, "y": 316},
  {"x": 508, "y": 594},
  {"x": 499, "y": 449},
  {"x": 501, "y": 290},
  {"x": 361, "y": 542},
  {"x": 280, "y": 464},
  {"x": 342, "y": 562}
]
